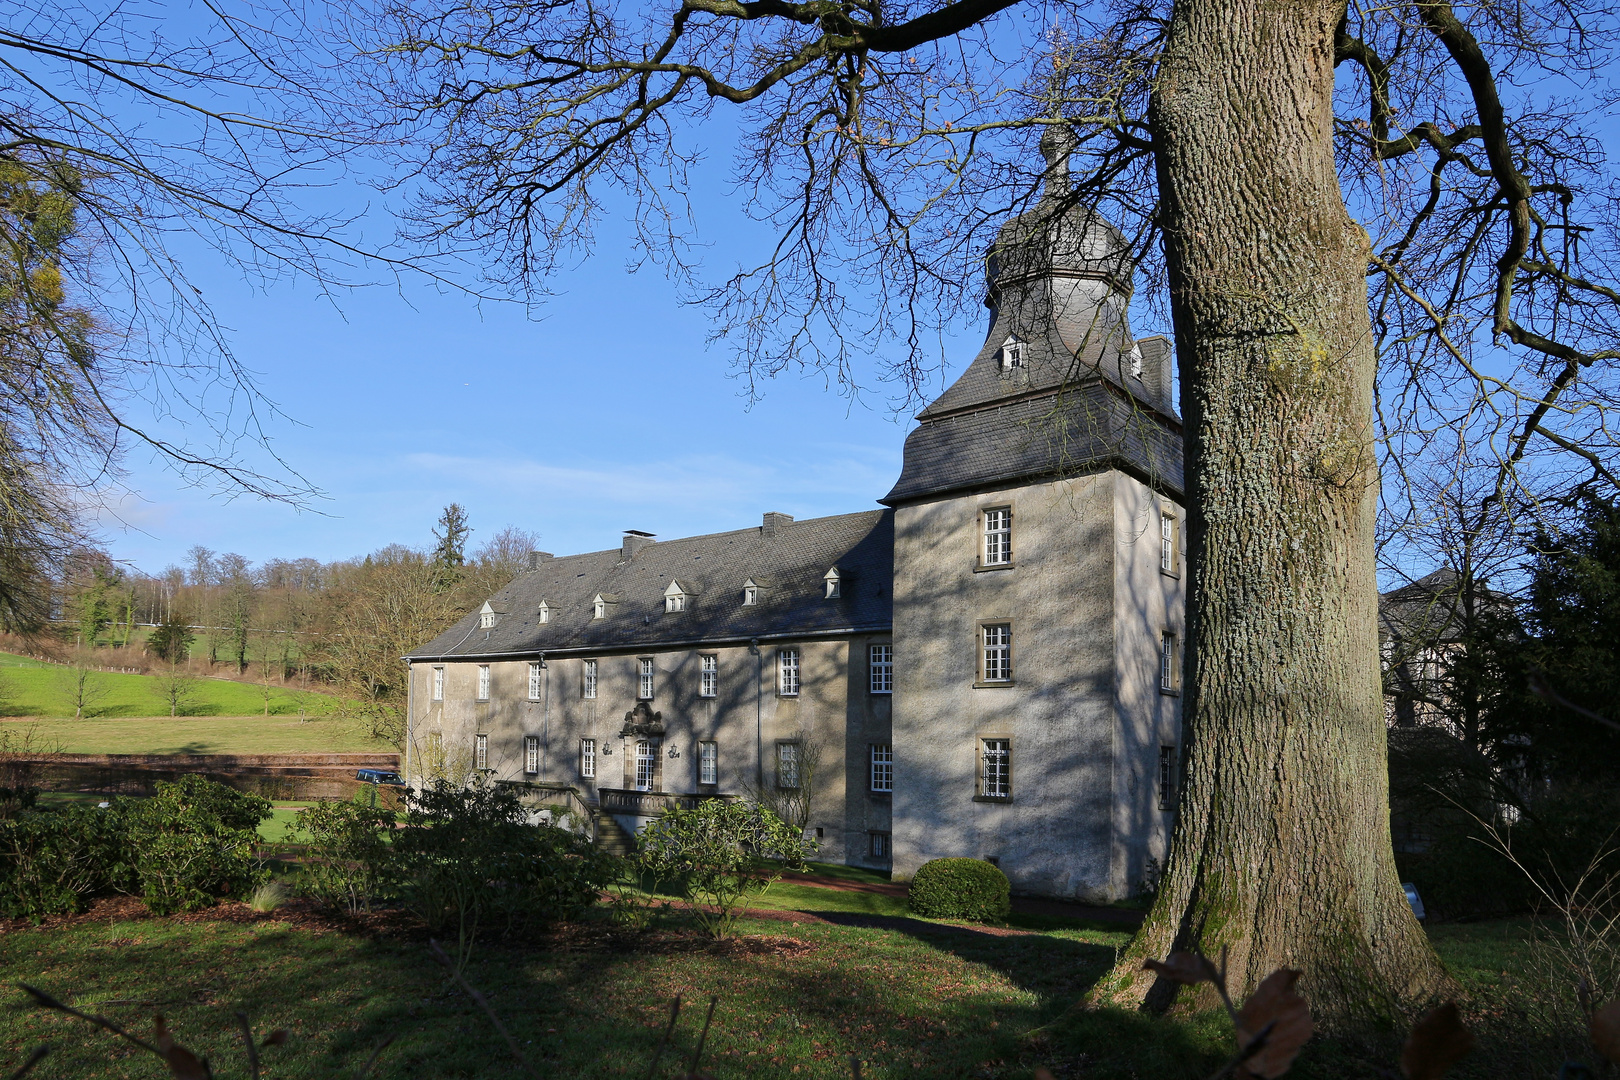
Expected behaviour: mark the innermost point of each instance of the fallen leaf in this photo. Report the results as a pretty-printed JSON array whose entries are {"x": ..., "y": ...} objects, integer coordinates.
[
  {"x": 1438, "y": 1041},
  {"x": 183, "y": 1064},
  {"x": 1182, "y": 967},
  {"x": 1279, "y": 1019},
  {"x": 1605, "y": 1030}
]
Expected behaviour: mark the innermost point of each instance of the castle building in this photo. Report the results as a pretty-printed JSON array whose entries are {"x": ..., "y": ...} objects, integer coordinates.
[{"x": 988, "y": 666}]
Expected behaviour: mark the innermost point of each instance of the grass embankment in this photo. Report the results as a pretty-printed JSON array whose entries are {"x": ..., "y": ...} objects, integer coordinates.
[
  {"x": 910, "y": 998},
  {"x": 199, "y": 735},
  {"x": 30, "y": 688}
]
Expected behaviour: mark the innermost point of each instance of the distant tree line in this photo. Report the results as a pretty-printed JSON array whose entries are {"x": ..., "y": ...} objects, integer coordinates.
[{"x": 339, "y": 625}]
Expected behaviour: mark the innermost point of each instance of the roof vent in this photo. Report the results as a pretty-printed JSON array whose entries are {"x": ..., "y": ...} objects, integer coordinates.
[
  {"x": 774, "y": 521},
  {"x": 538, "y": 557},
  {"x": 634, "y": 541}
]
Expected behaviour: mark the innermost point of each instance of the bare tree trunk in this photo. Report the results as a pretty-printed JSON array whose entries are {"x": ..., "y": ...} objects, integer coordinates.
[{"x": 1282, "y": 852}]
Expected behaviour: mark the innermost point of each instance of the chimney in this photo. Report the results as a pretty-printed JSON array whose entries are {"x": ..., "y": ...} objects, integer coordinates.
[
  {"x": 774, "y": 521},
  {"x": 538, "y": 557},
  {"x": 634, "y": 541}
]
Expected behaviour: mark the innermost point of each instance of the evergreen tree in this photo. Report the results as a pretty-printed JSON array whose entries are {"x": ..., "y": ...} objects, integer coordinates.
[
  {"x": 1573, "y": 656},
  {"x": 450, "y": 554},
  {"x": 171, "y": 641}
]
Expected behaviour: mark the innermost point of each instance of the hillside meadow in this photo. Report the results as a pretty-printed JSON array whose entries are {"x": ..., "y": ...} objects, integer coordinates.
[{"x": 131, "y": 716}]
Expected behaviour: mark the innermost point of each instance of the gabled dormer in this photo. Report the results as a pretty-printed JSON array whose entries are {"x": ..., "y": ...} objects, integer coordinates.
[
  {"x": 602, "y": 604},
  {"x": 1013, "y": 352},
  {"x": 490, "y": 614},
  {"x": 833, "y": 582},
  {"x": 544, "y": 612},
  {"x": 678, "y": 596},
  {"x": 753, "y": 588}
]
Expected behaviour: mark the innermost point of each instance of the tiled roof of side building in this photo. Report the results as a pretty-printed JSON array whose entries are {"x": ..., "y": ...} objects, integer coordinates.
[
  {"x": 788, "y": 559},
  {"x": 1085, "y": 427}
]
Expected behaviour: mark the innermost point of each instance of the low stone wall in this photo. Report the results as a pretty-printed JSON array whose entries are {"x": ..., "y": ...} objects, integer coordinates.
[{"x": 275, "y": 776}]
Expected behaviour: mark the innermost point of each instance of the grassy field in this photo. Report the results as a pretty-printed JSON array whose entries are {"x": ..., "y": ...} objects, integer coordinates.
[
  {"x": 34, "y": 689},
  {"x": 909, "y": 998},
  {"x": 197, "y": 735}
]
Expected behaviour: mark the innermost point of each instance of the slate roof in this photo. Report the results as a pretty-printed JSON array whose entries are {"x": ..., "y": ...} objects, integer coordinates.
[
  {"x": 792, "y": 559},
  {"x": 1430, "y": 610},
  {"x": 1040, "y": 436}
]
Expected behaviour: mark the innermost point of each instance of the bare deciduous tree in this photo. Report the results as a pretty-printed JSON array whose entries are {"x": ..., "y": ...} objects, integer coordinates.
[{"x": 885, "y": 144}]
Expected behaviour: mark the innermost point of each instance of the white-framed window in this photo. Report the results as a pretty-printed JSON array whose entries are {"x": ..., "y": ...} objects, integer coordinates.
[
  {"x": 486, "y": 620},
  {"x": 599, "y": 608},
  {"x": 882, "y": 772},
  {"x": 787, "y": 765},
  {"x": 1012, "y": 352},
  {"x": 535, "y": 679},
  {"x": 998, "y": 536},
  {"x": 587, "y": 758},
  {"x": 531, "y": 754},
  {"x": 708, "y": 763},
  {"x": 995, "y": 768},
  {"x": 877, "y": 845},
  {"x": 1167, "y": 778},
  {"x": 483, "y": 682},
  {"x": 1167, "y": 542},
  {"x": 646, "y": 765},
  {"x": 587, "y": 686},
  {"x": 880, "y": 668},
  {"x": 677, "y": 602},
  {"x": 438, "y": 684},
  {"x": 435, "y": 747},
  {"x": 708, "y": 675},
  {"x": 644, "y": 678},
  {"x": 481, "y": 752},
  {"x": 834, "y": 583},
  {"x": 750, "y": 593},
  {"x": 996, "y": 648},
  {"x": 1167, "y": 662},
  {"x": 787, "y": 672},
  {"x": 545, "y": 612}
]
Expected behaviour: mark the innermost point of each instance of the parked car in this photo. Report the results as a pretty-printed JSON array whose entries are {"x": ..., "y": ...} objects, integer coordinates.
[{"x": 379, "y": 776}]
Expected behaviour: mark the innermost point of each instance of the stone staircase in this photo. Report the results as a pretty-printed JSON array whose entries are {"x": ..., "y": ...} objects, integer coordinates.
[{"x": 613, "y": 837}]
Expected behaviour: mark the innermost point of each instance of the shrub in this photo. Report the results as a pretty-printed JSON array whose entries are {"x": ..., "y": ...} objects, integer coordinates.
[
  {"x": 721, "y": 852},
  {"x": 51, "y": 861},
  {"x": 960, "y": 889},
  {"x": 192, "y": 843},
  {"x": 467, "y": 857},
  {"x": 351, "y": 862}
]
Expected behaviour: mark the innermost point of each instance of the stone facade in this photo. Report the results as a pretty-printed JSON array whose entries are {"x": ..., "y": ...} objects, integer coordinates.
[{"x": 989, "y": 667}]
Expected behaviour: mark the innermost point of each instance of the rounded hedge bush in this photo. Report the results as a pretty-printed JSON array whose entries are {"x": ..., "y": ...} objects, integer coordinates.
[{"x": 960, "y": 889}]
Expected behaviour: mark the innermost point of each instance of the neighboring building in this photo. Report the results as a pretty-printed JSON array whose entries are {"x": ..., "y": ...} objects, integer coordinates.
[{"x": 990, "y": 667}]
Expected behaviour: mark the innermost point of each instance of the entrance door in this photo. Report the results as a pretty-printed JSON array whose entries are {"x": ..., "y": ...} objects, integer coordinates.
[{"x": 646, "y": 762}]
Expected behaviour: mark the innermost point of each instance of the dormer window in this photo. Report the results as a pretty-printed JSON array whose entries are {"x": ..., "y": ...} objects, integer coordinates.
[
  {"x": 1012, "y": 352},
  {"x": 677, "y": 595},
  {"x": 750, "y": 593},
  {"x": 832, "y": 581},
  {"x": 600, "y": 603},
  {"x": 1136, "y": 361},
  {"x": 489, "y": 615},
  {"x": 545, "y": 612}
]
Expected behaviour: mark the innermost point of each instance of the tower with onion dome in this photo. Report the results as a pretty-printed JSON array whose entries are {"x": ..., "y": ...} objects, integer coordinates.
[{"x": 1039, "y": 577}]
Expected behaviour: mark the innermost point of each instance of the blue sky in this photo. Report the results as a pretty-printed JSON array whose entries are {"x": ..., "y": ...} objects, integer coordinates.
[{"x": 606, "y": 412}]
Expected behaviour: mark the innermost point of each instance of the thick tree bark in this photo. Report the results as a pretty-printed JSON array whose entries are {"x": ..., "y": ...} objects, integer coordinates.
[{"x": 1281, "y": 853}]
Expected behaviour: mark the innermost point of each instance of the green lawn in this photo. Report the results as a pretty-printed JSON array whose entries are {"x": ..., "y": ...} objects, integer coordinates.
[
  {"x": 34, "y": 689},
  {"x": 197, "y": 735},
  {"x": 915, "y": 999}
]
